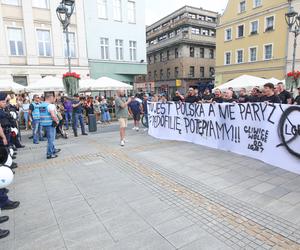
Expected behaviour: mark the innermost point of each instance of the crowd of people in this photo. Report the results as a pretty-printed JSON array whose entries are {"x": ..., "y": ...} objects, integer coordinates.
[{"x": 269, "y": 93}]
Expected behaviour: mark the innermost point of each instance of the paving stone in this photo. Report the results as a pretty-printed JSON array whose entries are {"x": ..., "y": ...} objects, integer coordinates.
[
  {"x": 292, "y": 198},
  {"x": 262, "y": 188}
]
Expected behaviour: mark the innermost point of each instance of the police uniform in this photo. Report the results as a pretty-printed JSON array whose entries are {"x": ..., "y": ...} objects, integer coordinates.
[
  {"x": 47, "y": 123},
  {"x": 36, "y": 122}
]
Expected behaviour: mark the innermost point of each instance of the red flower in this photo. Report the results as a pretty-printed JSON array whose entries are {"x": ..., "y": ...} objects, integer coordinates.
[{"x": 71, "y": 74}]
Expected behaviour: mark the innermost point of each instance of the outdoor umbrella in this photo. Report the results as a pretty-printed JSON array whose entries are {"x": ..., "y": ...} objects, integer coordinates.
[
  {"x": 48, "y": 83},
  {"x": 11, "y": 86}
]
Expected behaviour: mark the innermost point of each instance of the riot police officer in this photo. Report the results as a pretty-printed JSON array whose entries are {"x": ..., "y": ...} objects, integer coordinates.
[{"x": 5, "y": 203}]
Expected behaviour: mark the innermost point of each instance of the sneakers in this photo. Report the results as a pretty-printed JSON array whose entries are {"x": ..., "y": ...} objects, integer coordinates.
[
  {"x": 134, "y": 128},
  {"x": 122, "y": 143}
]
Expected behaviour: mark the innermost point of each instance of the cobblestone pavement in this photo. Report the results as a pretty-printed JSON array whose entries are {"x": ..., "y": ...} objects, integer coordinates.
[{"x": 152, "y": 194}]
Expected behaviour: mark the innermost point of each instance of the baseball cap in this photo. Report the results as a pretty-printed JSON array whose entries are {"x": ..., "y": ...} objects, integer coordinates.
[{"x": 3, "y": 96}]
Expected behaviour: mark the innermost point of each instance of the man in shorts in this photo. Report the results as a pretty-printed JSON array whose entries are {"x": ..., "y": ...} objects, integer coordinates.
[
  {"x": 135, "y": 108},
  {"x": 121, "y": 106}
]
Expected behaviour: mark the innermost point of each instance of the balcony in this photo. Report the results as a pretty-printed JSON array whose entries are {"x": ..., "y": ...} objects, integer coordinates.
[
  {"x": 183, "y": 38},
  {"x": 178, "y": 23}
]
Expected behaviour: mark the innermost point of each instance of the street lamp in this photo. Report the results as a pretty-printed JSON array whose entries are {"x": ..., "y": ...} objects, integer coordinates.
[
  {"x": 292, "y": 19},
  {"x": 64, "y": 12}
]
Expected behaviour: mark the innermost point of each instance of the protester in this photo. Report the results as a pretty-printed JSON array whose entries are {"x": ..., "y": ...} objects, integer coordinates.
[
  {"x": 145, "y": 110},
  {"x": 218, "y": 98},
  {"x": 163, "y": 98},
  {"x": 243, "y": 98},
  {"x": 178, "y": 97},
  {"x": 68, "y": 112},
  {"x": 34, "y": 112},
  {"x": 105, "y": 111},
  {"x": 121, "y": 106},
  {"x": 297, "y": 99},
  {"x": 269, "y": 94},
  {"x": 49, "y": 121},
  {"x": 135, "y": 111},
  {"x": 234, "y": 95},
  {"x": 207, "y": 96},
  {"x": 285, "y": 96},
  {"x": 191, "y": 96},
  {"x": 228, "y": 97},
  {"x": 254, "y": 96},
  {"x": 78, "y": 115}
]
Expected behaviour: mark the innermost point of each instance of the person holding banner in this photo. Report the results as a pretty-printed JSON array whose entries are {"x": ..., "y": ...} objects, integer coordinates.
[
  {"x": 269, "y": 94},
  {"x": 228, "y": 97},
  {"x": 297, "y": 99},
  {"x": 218, "y": 98},
  {"x": 191, "y": 96}
]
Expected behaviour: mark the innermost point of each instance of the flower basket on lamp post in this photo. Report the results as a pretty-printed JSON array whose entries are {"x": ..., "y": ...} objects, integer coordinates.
[
  {"x": 71, "y": 83},
  {"x": 292, "y": 79}
]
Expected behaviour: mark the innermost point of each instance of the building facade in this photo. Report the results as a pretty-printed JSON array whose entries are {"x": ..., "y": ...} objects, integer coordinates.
[
  {"x": 252, "y": 38},
  {"x": 181, "y": 49},
  {"x": 32, "y": 42},
  {"x": 116, "y": 38}
]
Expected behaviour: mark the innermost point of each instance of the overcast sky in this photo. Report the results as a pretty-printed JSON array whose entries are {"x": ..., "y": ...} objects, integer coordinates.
[{"x": 157, "y": 9}]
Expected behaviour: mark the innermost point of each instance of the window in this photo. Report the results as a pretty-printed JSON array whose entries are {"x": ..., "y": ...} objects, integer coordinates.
[
  {"x": 253, "y": 54},
  {"x": 155, "y": 58},
  {"x": 228, "y": 34},
  {"x": 155, "y": 75},
  {"x": 239, "y": 56},
  {"x": 176, "y": 53},
  {"x": 132, "y": 50},
  {"x": 131, "y": 12},
  {"x": 227, "y": 58},
  {"x": 149, "y": 76},
  {"x": 242, "y": 6},
  {"x": 202, "y": 72},
  {"x": 161, "y": 74},
  {"x": 240, "y": 31},
  {"x": 149, "y": 60},
  {"x": 268, "y": 51},
  {"x": 21, "y": 80},
  {"x": 72, "y": 45},
  {"x": 44, "y": 43},
  {"x": 168, "y": 55},
  {"x": 192, "y": 71},
  {"x": 11, "y": 2},
  {"x": 161, "y": 56},
  {"x": 44, "y": 4},
  {"x": 117, "y": 10},
  {"x": 192, "y": 52},
  {"x": 104, "y": 48},
  {"x": 119, "y": 50},
  {"x": 211, "y": 71},
  {"x": 15, "y": 38},
  {"x": 168, "y": 73},
  {"x": 201, "y": 52},
  {"x": 254, "y": 27},
  {"x": 176, "y": 72},
  {"x": 256, "y": 3},
  {"x": 195, "y": 31},
  {"x": 211, "y": 54},
  {"x": 270, "y": 23},
  {"x": 102, "y": 8}
]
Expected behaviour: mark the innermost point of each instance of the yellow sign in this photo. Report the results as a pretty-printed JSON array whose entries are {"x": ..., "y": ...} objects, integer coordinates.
[{"x": 178, "y": 83}]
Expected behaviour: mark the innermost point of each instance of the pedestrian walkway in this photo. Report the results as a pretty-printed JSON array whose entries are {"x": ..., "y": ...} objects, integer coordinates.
[{"x": 151, "y": 194}]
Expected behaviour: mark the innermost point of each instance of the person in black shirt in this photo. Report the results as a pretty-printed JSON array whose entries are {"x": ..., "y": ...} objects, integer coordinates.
[
  {"x": 234, "y": 95},
  {"x": 207, "y": 96},
  {"x": 269, "y": 95},
  {"x": 297, "y": 99},
  {"x": 191, "y": 97},
  {"x": 243, "y": 98},
  {"x": 229, "y": 97},
  {"x": 218, "y": 98},
  {"x": 254, "y": 97},
  {"x": 285, "y": 96},
  {"x": 178, "y": 97}
]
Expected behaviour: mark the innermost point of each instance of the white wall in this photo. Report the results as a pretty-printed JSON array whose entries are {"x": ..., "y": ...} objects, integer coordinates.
[{"x": 97, "y": 28}]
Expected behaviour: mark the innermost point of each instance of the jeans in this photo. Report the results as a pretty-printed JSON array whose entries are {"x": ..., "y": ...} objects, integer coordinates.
[
  {"x": 51, "y": 132},
  {"x": 37, "y": 131},
  {"x": 26, "y": 117},
  {"x": 3, "y": 198},
  {"x": 106, "y": 116},
  {"x": 78, "y": 118},
  {"x": 68, "y": 118},
  {"x": 147, "y": 120}
]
